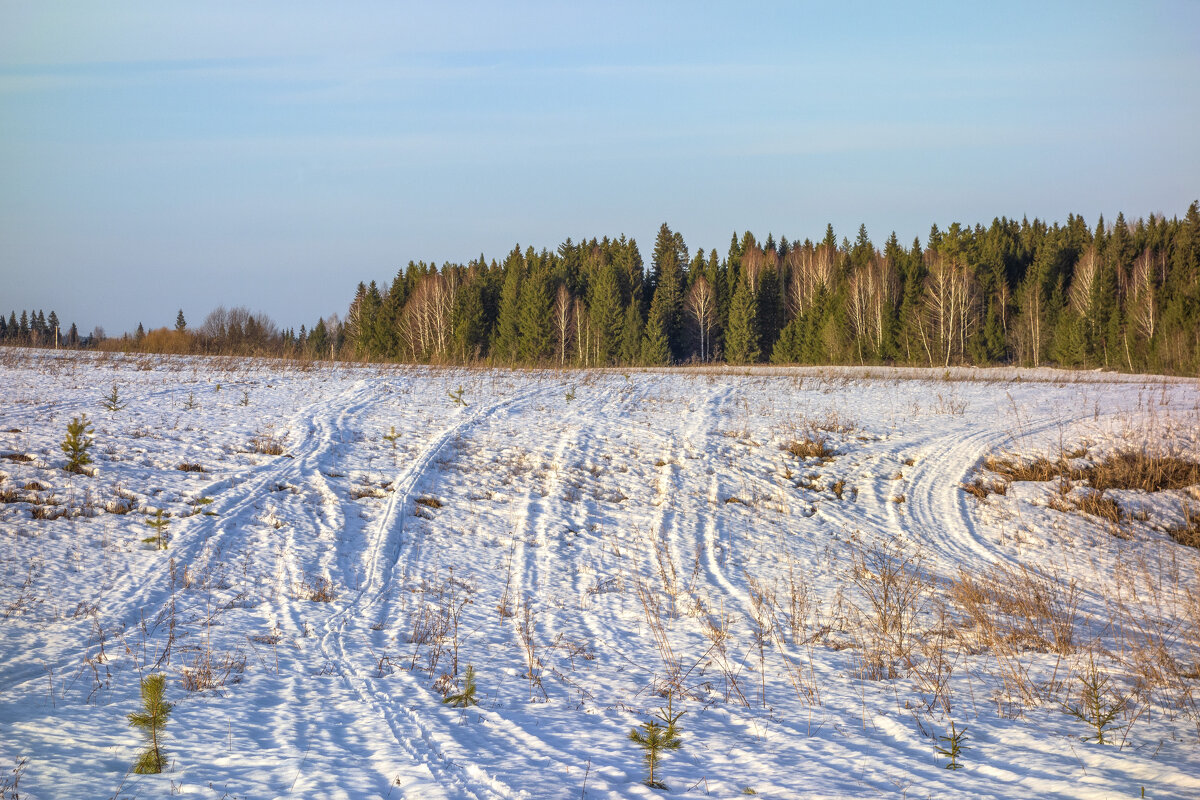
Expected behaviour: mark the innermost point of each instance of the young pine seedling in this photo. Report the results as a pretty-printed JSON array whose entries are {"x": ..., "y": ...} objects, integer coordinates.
[
  {"x": 954, "y": 746},
  {"x": 159, "y": 524},
  {"x": 466, "y": 697},
  {"x": 391, "y": 436},
  {"x": 655, "y": 739},
  {"x": 457, "y": 397},
  {"x": 150, "y": 721},
  {"x": 77, "y": 443}
]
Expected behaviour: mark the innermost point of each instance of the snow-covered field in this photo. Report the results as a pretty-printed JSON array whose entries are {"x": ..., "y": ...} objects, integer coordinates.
[{"x": 592, "y": 544}]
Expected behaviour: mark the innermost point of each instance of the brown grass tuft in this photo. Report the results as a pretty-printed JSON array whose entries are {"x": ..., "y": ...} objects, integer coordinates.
[{"x": 811, "y": 447}]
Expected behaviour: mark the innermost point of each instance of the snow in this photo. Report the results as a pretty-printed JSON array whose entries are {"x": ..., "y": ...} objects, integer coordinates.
[{"x": 589, "y": 542}]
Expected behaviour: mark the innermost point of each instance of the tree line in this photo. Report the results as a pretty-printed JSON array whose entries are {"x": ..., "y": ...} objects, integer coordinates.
[{"x": 1122, "y": 296}]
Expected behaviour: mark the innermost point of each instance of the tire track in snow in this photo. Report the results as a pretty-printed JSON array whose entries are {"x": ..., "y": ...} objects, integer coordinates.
[
  {"x": 441, "y": 759},
  {"x": 235, "y": 497}
]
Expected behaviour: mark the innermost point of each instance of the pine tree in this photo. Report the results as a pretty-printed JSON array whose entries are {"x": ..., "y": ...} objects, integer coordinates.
[
  {"x": 150, "y": 721},
  {"x": 741, "y": 339},
  {"x": 180, "y": 322},
  {"x": 466, "y": 697}
]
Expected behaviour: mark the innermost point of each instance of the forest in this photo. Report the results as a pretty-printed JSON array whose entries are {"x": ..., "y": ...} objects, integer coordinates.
[{"x": 1120, "y": 296}]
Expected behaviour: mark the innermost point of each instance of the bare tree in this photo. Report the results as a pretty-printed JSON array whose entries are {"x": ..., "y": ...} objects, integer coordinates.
[
  {"x": 811, "y": 270},
  {"x": 950, "y": 308},
  {"x": 701, "y": 305},
  {"x": 563, "y": 321}
]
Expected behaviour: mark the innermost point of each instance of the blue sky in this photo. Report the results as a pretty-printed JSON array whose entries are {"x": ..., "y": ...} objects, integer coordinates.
[{"x": 165, "y": 155}]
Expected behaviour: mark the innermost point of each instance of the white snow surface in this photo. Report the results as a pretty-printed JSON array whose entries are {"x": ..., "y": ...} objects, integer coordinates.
[{"x": 601, "y": 539}]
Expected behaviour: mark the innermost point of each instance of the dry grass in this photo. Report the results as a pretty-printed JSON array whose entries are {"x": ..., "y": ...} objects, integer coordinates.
[
  {"x": 190, "y": 467},
  {"x": 1123, "y": 469},
  {"x": 1188, "y": 533},
  {"x": 1096, "y": 504},
  {"x": 268, "y": 442},
  {"x": 1017, "y": 608},
  {"x": 810, "y": 447},
  {"x": 317, "y": 588},
  {"x": 212, "y": 672}
]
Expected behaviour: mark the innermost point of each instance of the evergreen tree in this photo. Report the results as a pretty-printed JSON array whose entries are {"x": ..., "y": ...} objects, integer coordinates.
[
  {"x": 318, "y": 340},
  {"x": 668, "y": 278},
  {"x": 73, "y": 336},
  {"x": 790, "y": 346},
  {"x": 180, "y": 322},
  {"x": 151, "y": 721},
  {"x": 631, "y": 335},
  {"x": 741, "y": 339},
  {"x": 533, "y": 323},
  {"x": 604, "y": 313},
  {"x": 507, "y": 337},
  {"x": 52, "y": 332},
  {"x": 656, "y": 346},
  {"x": 469, "y": 324}
]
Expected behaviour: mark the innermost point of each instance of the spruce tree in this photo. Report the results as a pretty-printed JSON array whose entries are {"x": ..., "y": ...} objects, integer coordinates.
[
  {"x": 533, "y": 323},
  {"x": 631, "y": 335},
  {"x": 504, "y": 344},
  {"x": 180, "y": 322},
  {"x": 467, "y": 326},
  {"x": 741, "y": 339},
  {"x": 656, "y": 346}
]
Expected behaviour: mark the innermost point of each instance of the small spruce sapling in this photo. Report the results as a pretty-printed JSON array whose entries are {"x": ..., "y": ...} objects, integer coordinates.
[
  {"x": 1099, "y": 705},
  {"x": 159, "y": 524},
  {"x": 655, "y": 739},
  {"x": 954, "y": 746},
  {"x": 150, "y": 721},
  {"x": 466, "y": 697},
  {"x": 77, "y": 443},
  {"x": 112, "y": 401}
]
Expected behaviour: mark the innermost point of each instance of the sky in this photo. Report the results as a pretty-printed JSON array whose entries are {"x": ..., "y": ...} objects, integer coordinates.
[{"x": 157, "y": 156}]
